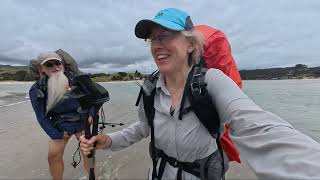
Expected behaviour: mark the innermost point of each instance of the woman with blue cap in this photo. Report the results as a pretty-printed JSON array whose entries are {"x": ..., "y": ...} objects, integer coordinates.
[{"x": 183, "y": 148}]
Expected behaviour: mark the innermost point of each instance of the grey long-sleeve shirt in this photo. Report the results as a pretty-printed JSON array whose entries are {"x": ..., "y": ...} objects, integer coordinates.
[{"x": 268, "y": 144}]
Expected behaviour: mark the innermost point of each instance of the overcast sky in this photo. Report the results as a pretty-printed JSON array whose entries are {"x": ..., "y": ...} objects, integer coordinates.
[{"x": 100, "y": 33}]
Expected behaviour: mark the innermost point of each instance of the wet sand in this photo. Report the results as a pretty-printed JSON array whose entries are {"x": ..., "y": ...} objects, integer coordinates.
[{"x": 24, "y": 148}]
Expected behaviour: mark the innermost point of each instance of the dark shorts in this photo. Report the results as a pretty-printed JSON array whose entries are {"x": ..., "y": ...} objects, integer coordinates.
[{"x": 71, "y": 127}]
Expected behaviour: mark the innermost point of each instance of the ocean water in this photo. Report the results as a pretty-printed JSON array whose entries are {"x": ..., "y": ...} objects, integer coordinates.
[
  {"x": 297, "y": 101},
  {"x": 23, "y": 141}
]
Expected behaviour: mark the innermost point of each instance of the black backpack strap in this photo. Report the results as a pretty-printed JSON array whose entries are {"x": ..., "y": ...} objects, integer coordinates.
[
  {"x": 148, "y": 86},
  {"x": 195, "y": 71},
  {"x": 201, "y": 102},
  {"x": 139, "y": 97},
  {"x": 150, "y": 111},
  {"x": 162, "y": 166},
  {"x": 185, "y": 91},
  {"x": 147, "y": 92},
  {"x": 203, "y": 107}
]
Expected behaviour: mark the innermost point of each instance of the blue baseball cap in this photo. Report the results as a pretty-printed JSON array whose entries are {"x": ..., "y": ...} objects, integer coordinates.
[{"x": 170, "y": 18}]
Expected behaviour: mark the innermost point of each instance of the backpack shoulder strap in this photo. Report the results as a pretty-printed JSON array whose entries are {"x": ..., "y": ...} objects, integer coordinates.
[
  {"x": 186, "y": 90},
  {"x": 201, "y": 102},
  {"x": 203, "y": 107},
  {"x": 147, "y": 92}
]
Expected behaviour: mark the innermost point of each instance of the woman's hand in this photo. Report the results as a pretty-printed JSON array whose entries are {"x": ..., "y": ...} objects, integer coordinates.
[{"x": 102, "y": 142}]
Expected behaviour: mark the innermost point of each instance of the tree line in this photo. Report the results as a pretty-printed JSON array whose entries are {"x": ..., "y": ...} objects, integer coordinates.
[
  {"x": 10, "y": 73},
  {"x": 299, "y": 71}
]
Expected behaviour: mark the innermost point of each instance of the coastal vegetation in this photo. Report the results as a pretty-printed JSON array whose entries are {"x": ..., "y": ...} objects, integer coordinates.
[
  {"x": 299, "y": 71},
  {"x": 22, "y": 73}
]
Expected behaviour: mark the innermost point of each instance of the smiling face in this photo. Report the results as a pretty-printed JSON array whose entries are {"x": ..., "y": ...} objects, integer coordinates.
[
  {"x": 51, "y": 67},
  {"x": 169, "y": 50}
]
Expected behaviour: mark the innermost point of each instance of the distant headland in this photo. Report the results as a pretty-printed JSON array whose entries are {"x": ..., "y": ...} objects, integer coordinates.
[{"x": 299, "y": 71}]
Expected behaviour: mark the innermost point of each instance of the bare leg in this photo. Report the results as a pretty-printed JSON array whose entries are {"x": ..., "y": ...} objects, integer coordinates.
[{"x": 55, "y": 157}]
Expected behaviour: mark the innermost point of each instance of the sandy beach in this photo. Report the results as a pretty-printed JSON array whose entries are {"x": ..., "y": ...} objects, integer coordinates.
[
  {"x": 16, "y": 82},
  {"x": 24, "y": 144},
  {"x": 24, "y": 148}
]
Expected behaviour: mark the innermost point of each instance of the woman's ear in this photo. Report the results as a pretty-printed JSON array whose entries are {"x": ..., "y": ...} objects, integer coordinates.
[{"x": 190, "y": 49}]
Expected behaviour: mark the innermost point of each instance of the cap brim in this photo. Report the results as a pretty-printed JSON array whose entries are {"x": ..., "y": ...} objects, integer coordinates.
[
  {"x": 49, "y": 59},
  {"x": 144, "y": 27}
]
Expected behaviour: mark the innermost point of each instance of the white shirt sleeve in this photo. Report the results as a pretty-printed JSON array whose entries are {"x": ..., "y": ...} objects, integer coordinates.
[
  {"x": 132, "y": 134},
  {"x": 268, "y": 144}
]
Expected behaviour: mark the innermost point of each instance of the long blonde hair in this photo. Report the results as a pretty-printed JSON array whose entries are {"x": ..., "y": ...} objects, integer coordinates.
[{"x": 197, "y": 39}]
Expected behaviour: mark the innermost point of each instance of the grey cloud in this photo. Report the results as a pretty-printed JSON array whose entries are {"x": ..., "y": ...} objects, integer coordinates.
[
  {"x": 4, "y": 60},
  {"x": 99, "y": 34}
]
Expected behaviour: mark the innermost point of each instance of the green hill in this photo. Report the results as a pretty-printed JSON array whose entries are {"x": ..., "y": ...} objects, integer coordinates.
[{"x": 16, "y": 73}]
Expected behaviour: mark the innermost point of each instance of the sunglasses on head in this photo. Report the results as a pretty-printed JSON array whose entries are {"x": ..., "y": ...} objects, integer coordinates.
[{"x": 52, "y": 63}]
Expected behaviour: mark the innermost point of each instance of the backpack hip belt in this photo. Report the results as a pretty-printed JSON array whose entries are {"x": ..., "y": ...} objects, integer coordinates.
[{"x": 198, "y": 168}]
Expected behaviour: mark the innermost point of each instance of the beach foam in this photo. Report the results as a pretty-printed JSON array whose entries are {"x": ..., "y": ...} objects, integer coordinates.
[{"x": 4, "y": 94}]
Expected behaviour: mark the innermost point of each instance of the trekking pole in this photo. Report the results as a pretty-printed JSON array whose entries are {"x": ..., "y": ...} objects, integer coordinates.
[
  {"x": 91, "y": 97},
  {"x": 91, "y": 129}
]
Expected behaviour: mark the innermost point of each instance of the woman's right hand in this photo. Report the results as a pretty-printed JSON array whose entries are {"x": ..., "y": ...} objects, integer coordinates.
[{"x": 102, "y": 142}]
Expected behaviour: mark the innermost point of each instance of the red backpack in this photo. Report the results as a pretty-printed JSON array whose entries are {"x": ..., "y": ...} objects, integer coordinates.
[{"x": 217, "y": 54}]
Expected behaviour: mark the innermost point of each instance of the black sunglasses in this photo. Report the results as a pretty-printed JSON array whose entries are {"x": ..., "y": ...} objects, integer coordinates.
[{"x": 50, "y": 64}]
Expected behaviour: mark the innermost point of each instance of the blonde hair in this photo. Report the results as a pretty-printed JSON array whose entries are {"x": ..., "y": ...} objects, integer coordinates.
[{"x": 197, "y": 39}]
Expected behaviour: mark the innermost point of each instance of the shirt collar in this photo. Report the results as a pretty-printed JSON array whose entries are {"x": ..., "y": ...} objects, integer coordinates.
[{"x": 161, "y": 83}]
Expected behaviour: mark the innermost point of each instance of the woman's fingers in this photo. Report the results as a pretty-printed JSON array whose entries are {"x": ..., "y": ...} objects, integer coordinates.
[{"x": 86, "y": 145}]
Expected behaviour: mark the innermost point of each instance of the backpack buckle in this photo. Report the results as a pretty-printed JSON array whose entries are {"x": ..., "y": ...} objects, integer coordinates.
[
  {"x": 175, "y": 163},
  {"x": 196, "y": 85}
]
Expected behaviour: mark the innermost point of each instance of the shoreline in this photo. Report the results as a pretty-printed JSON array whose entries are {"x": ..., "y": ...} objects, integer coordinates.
[
  {"x": 140, "y": 81},
  {"x": 31, "y": 82}
]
